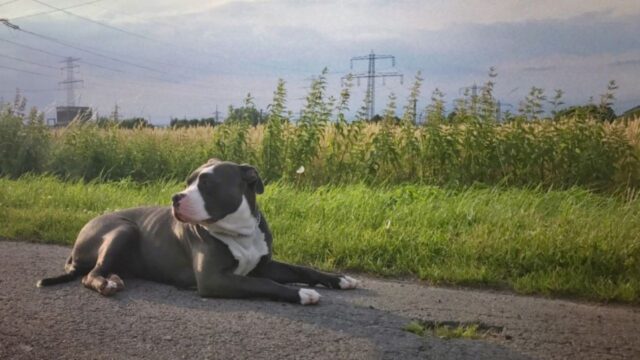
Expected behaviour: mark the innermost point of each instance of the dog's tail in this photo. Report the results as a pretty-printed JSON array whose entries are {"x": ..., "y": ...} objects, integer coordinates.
[
  {"x": 58, "y": 279},
  {"x": 72, "y": 274}
]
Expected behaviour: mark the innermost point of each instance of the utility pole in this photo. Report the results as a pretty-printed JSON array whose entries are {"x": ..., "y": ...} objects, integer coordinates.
[
  {"x": 499, "y": 112},
  {"x": 371, "y": 76},
  {"x": 70, "y": 81},
  {"x": 217, "y": 113},
  {"x": 115, "y": 115}
]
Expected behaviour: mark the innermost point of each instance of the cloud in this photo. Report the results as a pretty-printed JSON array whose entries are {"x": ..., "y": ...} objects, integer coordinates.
[{"x": 214, "y": 52}]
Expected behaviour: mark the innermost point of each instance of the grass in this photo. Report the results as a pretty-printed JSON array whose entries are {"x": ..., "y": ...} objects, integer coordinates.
[
  {"x": 570, "y": 242},
  {"x": 447, "y": 331},
  {"x": 560, "y": 154}
]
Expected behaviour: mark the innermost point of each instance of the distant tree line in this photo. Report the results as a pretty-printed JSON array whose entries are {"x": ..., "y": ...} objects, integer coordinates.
[
  {"x": 186, "y": 123},
  {"x": 478, "y": 104}
]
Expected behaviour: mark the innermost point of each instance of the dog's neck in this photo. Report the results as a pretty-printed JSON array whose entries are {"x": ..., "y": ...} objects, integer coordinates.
[{"x": 240, "y": 223}]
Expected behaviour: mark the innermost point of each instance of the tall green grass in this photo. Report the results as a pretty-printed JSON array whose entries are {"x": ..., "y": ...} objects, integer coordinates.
[
  {"x": 466, "y": 147},
  {"x": 558, "y": 154},
  {"x": 569, "y": 242}
]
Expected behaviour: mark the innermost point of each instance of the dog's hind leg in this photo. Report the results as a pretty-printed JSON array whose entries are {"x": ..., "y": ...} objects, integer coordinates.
[{"x": 110, "y": 256}]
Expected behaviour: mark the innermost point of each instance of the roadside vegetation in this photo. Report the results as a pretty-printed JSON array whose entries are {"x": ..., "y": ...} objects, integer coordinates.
[
  {"x": 543, "y": 201},
  {"x": 569, "y": 242},
  {"x": 576, "y": 146},
  {"x": 452, "y": 330}
]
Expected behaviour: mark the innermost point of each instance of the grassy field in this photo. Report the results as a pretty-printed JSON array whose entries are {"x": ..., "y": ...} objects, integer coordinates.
[
  {"x": 568, "y": 152},
  {"x": 569, "y": 242}
]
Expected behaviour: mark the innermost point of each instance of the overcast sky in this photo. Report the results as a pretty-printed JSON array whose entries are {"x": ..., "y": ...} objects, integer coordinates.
[{"x": 160, "y": 59}]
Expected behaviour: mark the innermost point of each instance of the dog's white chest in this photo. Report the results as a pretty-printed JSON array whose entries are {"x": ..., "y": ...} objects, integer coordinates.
[{"x": 246, "y": 249}]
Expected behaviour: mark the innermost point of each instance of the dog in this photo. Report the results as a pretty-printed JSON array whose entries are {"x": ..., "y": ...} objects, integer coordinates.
[{"x": 213, "y": 238}]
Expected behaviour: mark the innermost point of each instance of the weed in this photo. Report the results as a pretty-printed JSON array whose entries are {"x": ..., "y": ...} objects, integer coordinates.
[
  {"x": 415, "y": 327},
  {"x": 452, "y": 329},
  {"x": 471, "y": 147}
]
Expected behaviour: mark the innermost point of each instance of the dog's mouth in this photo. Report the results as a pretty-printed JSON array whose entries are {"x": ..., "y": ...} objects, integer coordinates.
[
  {"x": 176, "y": 215},
  {"x": 182, "y": 218}
]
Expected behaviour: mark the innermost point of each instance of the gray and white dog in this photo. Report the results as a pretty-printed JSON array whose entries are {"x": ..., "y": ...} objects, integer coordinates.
[{"x": 213, "y": 238}]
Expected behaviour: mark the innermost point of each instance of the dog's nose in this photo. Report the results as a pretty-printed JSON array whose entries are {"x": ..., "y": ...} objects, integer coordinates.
[{"x": 176, "y": 199}]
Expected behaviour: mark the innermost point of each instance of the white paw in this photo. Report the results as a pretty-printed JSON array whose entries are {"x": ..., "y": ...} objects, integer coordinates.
[
  {"x": 111, "y": 285},
  {"x": 308, "y": 296},
  {"x": 347, "y": 282}
]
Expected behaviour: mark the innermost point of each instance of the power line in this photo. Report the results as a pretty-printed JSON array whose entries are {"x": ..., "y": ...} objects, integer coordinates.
[
  {"x": 94, "y": 21},
  {"x": 98, "y": 80},
  {"x": 141, "y": 36},
  {"x": 24, "y": 71},
  {"x": 63, "y": 43},
  {"x": 30, "y": 90},
  {"x": 100, "y": 66},
  {"x": 55, "y": 11},
  {"x": 127, "y": 32},
  {"x": 60, "y": 56},
  {"x": 114, "y": 28},
  {"x": 92, "y": 52},
  {"x": 31, "y": 48},
  {"x": 8, "y": 2},
  {"x": 7, "y": 23},
  {"x": 28, "y": 62},
  {"x": 145, "y": 37}
]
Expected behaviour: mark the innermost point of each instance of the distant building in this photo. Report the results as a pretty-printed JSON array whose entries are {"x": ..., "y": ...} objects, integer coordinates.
[{"x": 66, "y": 114}]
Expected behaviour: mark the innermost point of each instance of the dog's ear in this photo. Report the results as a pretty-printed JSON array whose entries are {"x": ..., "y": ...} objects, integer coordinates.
[{"x": 251, "y": 176}]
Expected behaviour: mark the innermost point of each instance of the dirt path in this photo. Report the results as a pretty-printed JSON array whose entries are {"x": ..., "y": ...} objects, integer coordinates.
[{"x": 154, "y": 321}]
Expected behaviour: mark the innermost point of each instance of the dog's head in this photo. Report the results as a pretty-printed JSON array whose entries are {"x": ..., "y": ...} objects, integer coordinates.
[{"x": 220, "y": 194}]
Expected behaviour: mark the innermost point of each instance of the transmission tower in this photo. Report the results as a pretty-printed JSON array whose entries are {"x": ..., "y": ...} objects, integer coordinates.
[
  {"x": 473, "y": 89},
  {"x": 371, "y": 76},
  {"x": 70, "y": 81},
  {"x": 499, "y": 106}
]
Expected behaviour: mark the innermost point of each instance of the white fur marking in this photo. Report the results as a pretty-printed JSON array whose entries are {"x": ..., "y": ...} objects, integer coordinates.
[
  {"x": 308, "y": 296},
  {"x": 347, "y": 282},
  {"x": 240, "y": 232},
  {"x": 111, "y": 284},
  {"x": 192, "y": 206},
  {"x": 239, "y": 223},
  {"x": 200, "y": 262},
  {"x": 248, "y": 250}
]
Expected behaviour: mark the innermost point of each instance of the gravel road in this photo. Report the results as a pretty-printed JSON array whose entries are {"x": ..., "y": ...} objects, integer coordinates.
[{"x": 155, "y": 321}]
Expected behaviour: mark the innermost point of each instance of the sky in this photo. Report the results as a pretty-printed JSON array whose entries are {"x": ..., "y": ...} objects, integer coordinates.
[{"x": 161, "y": 59}]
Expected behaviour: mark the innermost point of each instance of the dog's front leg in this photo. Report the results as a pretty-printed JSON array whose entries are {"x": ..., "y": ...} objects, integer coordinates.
[
  {"x": 237, "y": 286},
  {"x": 287, "y": 274}
]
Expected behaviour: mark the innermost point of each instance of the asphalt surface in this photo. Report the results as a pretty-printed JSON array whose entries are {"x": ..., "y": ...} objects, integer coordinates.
[{"x": 156, "y": 321}]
